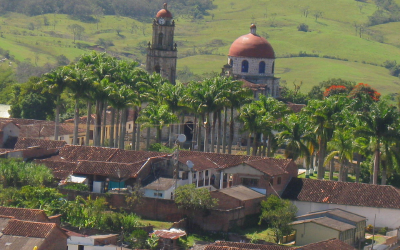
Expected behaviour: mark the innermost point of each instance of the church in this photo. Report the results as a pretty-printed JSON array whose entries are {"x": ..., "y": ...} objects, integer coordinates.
[{"x": 251, "y": 58}]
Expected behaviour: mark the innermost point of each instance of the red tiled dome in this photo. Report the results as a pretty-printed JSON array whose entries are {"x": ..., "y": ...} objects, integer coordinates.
[
  {"x": 252, "y": 45},
  {"x": 164, "y": 13}
]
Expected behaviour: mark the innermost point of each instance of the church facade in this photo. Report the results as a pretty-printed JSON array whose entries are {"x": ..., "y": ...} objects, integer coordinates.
[{"x": 161, "y": 51}]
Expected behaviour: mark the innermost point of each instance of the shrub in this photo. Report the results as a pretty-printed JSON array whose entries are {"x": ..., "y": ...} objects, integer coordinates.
[
  {"x": 302, "y": 27},
  {"x": 369, "y": 228},
  {"x": 383, "y": 230}
]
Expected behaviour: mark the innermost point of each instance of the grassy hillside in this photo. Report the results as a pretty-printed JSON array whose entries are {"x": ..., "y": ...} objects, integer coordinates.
[{"x": 204, "y": 43}]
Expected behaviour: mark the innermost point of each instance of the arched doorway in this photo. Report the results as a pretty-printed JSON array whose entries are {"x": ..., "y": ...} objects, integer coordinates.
[{"x": 188, "y": 130}]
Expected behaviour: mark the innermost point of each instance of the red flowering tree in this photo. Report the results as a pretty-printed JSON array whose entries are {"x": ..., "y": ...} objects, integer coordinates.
[
  {"x": 361, "y": 90},
  {"x": 335, "y": 90}
]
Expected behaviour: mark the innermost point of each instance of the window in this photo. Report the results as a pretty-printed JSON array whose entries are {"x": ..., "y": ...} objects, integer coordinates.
[
  {"x": 231, "y": 62},
  {"x": 206, "y": 172},
  {"x": 250, "y": 182},
  {"x": 273, "y": 67},
  {"x": 160, "y": 39},
  {"x": 80, "y": 247},
  {"x": 129, "y": 126},
  {"x": 271, "y": 181},
  {"x": 157, "y": 69},
  {"x": 245, "y": 66},
  {"x": 279, "y": 180},
  {"x": 261, "y": 67}
]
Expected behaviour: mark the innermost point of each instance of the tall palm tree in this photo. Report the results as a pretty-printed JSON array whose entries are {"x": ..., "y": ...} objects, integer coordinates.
[
  {"x": 56, "y": 82},
  {"x": 156, "y": 116},
  {"x": 296, "y": 137},
  {"x": 379, "y": 124},
  {"x": 342, "y": 147},
  {"x": 80, "y": 81},
  {"x": 236, "y": 97}
]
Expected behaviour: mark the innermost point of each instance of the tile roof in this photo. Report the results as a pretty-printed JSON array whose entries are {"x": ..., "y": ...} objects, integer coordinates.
[
  {"x": 161, "y": 184},
  {"x": 111, "y": 169},
  {"x": 296, "y": 108},
  {"x": 336, "y": 212},
  {"x": 28, "y": 228},
  {"x": 241, "y": 193},
  {"x": 46, "y": 129},
  {"x": 200, "y": 163},
  {"x": 227, "y": 245},
  {"x": 327, "y": 245},
  {"x": 222, "y": 160},
  {"x": 24, "y": 143},
  {"x": 130, "y": 156},
  {"x": 344, "y": 193},
  {"x": 327, "y": 222},
  {"x": 80, "y": 153},
  {"x": 20, "y": 121},
  {"x": 24, "y": 214},
  {"x": 3, "y": 124},
  {"x": 253, "y": 86},
  {"x": 270, "y": 166},
  {"x": 172, "y": 233},
  {"x": 61, "y": 169}
]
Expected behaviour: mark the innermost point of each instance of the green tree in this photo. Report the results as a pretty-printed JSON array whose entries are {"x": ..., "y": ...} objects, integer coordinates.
[
  {"x": 278, "y": 213},
  {"x": 76, "y": 30},
  {"x": 380, "y": 125},
  {"x": 190, "y": 198}
]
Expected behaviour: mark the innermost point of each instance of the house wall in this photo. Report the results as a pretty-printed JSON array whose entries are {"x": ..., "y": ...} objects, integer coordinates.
[
  {"x": 385, "y": 217},
  {"x": 310, "y": 232},
  {"x": 56, "y": 240}
]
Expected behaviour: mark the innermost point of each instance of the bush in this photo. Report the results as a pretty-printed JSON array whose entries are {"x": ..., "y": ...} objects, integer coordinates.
[
  {"x": 383, "y": 230},
  {"x": 302, "y": 27},
  {"x": 369, "y": 228}
]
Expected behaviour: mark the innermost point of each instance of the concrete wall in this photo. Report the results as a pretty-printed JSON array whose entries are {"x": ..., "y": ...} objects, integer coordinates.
[
  {"x": 385, "y": 217},
  {"x": 310, "y": 232},
  {"x": 253, "y": 65}
]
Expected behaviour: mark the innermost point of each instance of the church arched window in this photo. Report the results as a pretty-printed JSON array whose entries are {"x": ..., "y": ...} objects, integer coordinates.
[
  {"x": 261, "y": 67},
  {"x": 231, "y": 62},
  {"x": 273, "y": 67},
  {"x": 160, "y": 38},
  {"x": 245, "y": 66}
]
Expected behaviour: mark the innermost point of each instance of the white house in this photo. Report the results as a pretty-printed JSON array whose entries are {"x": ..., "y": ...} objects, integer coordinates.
[
  {"x": 366, "y": 200},
  {"x": 163, "y": 188}
]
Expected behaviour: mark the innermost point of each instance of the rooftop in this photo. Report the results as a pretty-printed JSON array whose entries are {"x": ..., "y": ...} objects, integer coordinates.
[
  {"x": 337, "y": 212},
  {"x": 161, "y": 184},
  {"x": 24, "y": 143},
  {"x": 241, "y": 193},
  {"x": 328, "y": 222},
  {"x": 343, "y": 193},
  {"x": 28, "y": 228},
  {"x": 24, "y": 214}
]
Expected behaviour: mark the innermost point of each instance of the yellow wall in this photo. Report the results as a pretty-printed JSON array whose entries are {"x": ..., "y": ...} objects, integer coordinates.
[{"x": 311, "y": 232}]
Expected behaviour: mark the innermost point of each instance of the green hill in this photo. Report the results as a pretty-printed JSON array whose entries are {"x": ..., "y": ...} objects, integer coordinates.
[{"x": 204, "y": 43}]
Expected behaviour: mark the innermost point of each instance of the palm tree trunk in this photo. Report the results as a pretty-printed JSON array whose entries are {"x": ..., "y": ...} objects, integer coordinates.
[
  {"x": 97, "y": 124},
  {"x": 199, "y": 134},
  {"x": 383, "y": 173},
  {"x": 248, "y": 143},
  {"x": 219, "y": 132},
  {"x": 358, "y": 168},
  {"x": 207, "y": 132},
  {"x": 111, "y": 142},
  {"x": 255, "y": 140},
  {"x": 123, "y": 128},
  {"x": 214, "y": 118},
  {"x": 224, "y": 130},
  {"x": 264, "y": 145},
  {"x": 116, "y": 139},
  {"x": 89, "y": 116},
  {"x": 376, "y": 163},
  {"x": 269, "y": 149},
  {"x": 158, "y": 134},
  {"x": 321, "y": 156},
  {"x": 134, "y": 129},
  {"x": 231, "y": 133},
  {"x": 76, "y": 123},
  {"x": 57, "y": 119},
  {"x": 170, "y": 131},
  {"x": 341, "y": 170},
  {"x": 312, "y": 164},
  {"x": 331, "y": 169},
  {"x": 104, "y": 124},
  {"x": 138, "y": 137},
  {"x": 148, "y": 139}
]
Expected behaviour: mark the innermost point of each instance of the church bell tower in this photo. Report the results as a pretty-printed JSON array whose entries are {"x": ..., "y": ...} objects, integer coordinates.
[{"x": 161, "y": 51}]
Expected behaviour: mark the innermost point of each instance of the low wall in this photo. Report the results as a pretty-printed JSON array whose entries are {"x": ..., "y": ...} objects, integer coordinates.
[{"x": 167, "y": 210}]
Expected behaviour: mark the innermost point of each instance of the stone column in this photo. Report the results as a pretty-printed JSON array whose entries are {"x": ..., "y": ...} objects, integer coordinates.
[{"x": 197, "y": 178}]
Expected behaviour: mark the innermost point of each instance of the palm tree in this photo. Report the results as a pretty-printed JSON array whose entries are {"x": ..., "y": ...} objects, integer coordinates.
[
  {"x": 379, "y": 124},
  {"x": 79, "y": 82},
  {"x": 296, "y": 137},
  {"x": 236, "y": 97},
  {"x": 56, "y": 82},
  {"x": 156, "y": 116},
  {"x": 273, "y": 110},
  {"x": 342, "y": 146}
]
